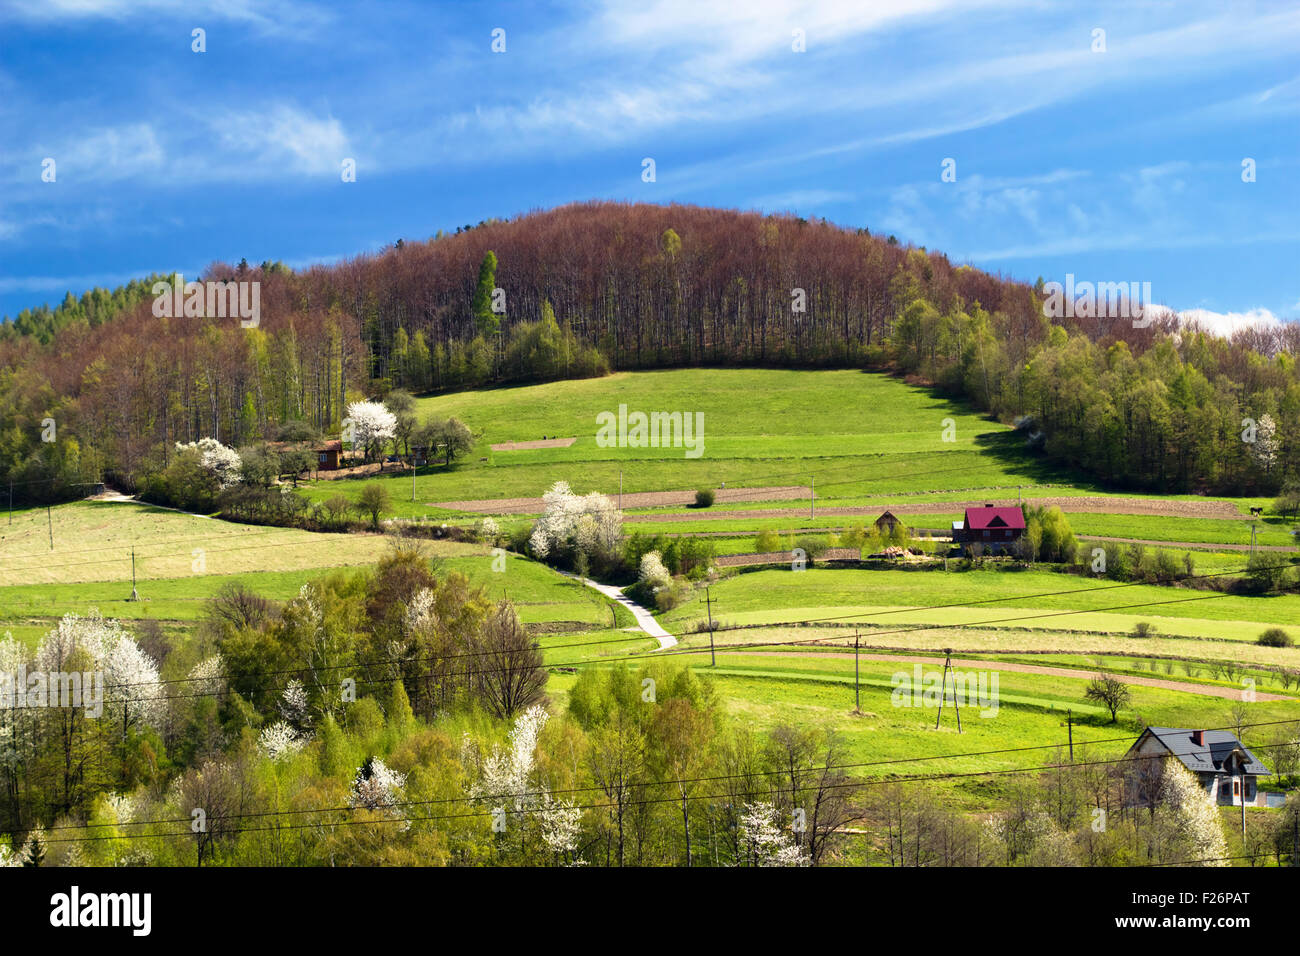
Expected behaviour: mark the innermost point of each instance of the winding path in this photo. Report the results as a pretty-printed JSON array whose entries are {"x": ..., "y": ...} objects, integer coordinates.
[{"x": 644, "y": 619}]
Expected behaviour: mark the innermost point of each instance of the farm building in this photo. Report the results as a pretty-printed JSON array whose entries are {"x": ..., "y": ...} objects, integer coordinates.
[
  {"x": 886, "y": 524},
  {"x": 995, "y": 528},
  {"x": 328, "y": 454},
  {"x": 1216, "y": 758}
]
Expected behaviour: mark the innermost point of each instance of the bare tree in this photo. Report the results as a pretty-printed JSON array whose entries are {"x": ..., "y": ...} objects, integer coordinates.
[
  {"x": 510, "y": 676},
  {"x": 1110, "y": 693}
]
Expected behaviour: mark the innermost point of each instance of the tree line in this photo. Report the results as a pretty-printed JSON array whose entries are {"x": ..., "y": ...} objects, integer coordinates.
[{"x": 583, "y": 289}]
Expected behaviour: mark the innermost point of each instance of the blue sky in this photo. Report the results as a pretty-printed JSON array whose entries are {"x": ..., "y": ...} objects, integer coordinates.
[{"x": 1122, "y": 165}]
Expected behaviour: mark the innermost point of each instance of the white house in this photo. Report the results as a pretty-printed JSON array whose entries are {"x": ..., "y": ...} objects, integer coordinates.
[{"x": 1217, "y": 758}]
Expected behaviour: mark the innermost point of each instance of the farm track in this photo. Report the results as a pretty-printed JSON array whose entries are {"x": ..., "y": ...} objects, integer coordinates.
[
  {"x": 1210, "y": 508},
  {"x": 1205, "y": 690}
]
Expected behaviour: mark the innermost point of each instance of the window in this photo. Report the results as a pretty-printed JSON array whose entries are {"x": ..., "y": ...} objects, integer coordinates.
[{"x": 1236, "y": 788}]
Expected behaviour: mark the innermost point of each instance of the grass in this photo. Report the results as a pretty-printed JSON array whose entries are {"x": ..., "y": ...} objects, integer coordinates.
[
  {"x": 93, "y": 541},
  {"x": 770, "y": 596},
  {"x": 858, "y": 433}
]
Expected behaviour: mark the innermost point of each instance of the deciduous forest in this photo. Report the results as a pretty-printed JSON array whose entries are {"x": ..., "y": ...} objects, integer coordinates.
[{"x": 585, "y": 289}]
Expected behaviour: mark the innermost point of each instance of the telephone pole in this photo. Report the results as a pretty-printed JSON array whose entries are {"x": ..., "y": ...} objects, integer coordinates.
[
  {"x": 620, "y": 489},
  {"x": 50, "y": 518},
  {"x": 812, "y": 498},
  {"x": 857, "y": 681},
  {"x": 134, "y": 595},
  {"x": 1243, "y": 806},
  {"x": 708, "y": 603},
  {"x": 943, "y": 690},
  {"x": 1069, "y": 724}
]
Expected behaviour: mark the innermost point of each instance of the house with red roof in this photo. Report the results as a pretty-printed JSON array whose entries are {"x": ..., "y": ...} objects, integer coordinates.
[{"x": 995, "y": 528}]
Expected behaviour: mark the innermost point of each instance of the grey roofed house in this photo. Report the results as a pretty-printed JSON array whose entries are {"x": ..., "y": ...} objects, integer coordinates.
[
  {"x": 1222, "y": 764},
  {"x": 1204, "y": 751}
]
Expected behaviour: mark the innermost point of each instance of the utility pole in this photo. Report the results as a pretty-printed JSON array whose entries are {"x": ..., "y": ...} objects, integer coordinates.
[
  {"x": 134, "y": 595},
  {"x": 1243, "y": 806},
  {"x": 708, "y": 603},
  {"x": 1295, "y": 839},
  {"x": 11, "y": 501},
  {"x": 413, "y": 470},
  {"x": 1252, "y": 539},
  {"x": 943, "y": 690},
  {"x": 857, "y": 681},
  {"x": 50, "y": 518},
  {"x": 812, "y": 498},
  {"x": 620, "y": 489},
  {"x": 1069, "y": 723}
]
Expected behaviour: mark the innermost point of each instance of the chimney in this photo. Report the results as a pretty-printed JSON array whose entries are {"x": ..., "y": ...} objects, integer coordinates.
[
  {"x": 1198, "y": 738},
  {"x": 987, "y": 505}
]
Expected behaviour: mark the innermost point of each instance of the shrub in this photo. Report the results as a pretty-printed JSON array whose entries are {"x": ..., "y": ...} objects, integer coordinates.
[
  {"x": 1143, "y": 629},
  {"x": 704, "y": 498},
  {"x": 373, "y": 501},
  {"x": 813, "y": 547},
  {"x": 767, "y": 540},
  {"x": 1274, "y": 637}
]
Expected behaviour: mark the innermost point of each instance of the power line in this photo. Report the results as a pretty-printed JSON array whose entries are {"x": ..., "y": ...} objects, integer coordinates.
[
  {"x": 651, "y": 655},
  {"x": 674, "y": 799}
]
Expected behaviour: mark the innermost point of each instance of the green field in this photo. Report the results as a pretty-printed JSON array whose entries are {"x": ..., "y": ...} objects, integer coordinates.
[{"x": 868, "y": 440}]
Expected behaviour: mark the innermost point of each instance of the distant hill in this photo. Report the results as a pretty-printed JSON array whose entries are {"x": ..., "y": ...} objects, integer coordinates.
[{"x": 582, "y": 289}]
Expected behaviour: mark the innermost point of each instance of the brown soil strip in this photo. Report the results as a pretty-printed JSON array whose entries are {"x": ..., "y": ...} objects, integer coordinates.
[
  {"x": 540, "y": 443},
  {"x": 639, "y": 499},
  {"x": 1204, "y": 689}
]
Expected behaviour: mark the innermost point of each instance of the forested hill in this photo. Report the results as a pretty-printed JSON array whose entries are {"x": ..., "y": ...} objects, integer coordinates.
[{"x": 583, "y": 289}]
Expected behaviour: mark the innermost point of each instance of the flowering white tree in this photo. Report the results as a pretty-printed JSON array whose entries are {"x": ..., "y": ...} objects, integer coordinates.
[
  {"x": 586, "y": 524},
  {"x": 652, "y": 571},
  {"x": 1264, "y": 448},
  {"x": 369, "y": 424},
  {"x": 208, "y": 677},
  {"x": 506, "y": 777},
  {"x": 765, "y": 843},
  {"x": 279, "y": 741},
  {"x": 377, "y": 787},
  {"x": 420, "y": 613},
  {"x": 293, "y": 704},
  {"x": 1192, "y": 814},
  {"x": 216, "y": 458},
  {"x": 133, "y": 693}
]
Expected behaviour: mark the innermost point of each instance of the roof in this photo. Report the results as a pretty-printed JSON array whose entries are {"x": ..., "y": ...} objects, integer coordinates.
[
  {"x": 333, "y": 444},
  {"x": 979, "y": 519},
  {"x": 888, "y": 515},
  {"x": 1209, "y": 756}
]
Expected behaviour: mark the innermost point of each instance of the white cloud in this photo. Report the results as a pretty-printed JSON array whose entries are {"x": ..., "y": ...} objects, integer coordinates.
[
  {"x": 1224, "y": 324},
  {"x": 270, "y": 16},
  {"x": 104, "y": 155},
  {"x": 284, "y": 137}
]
